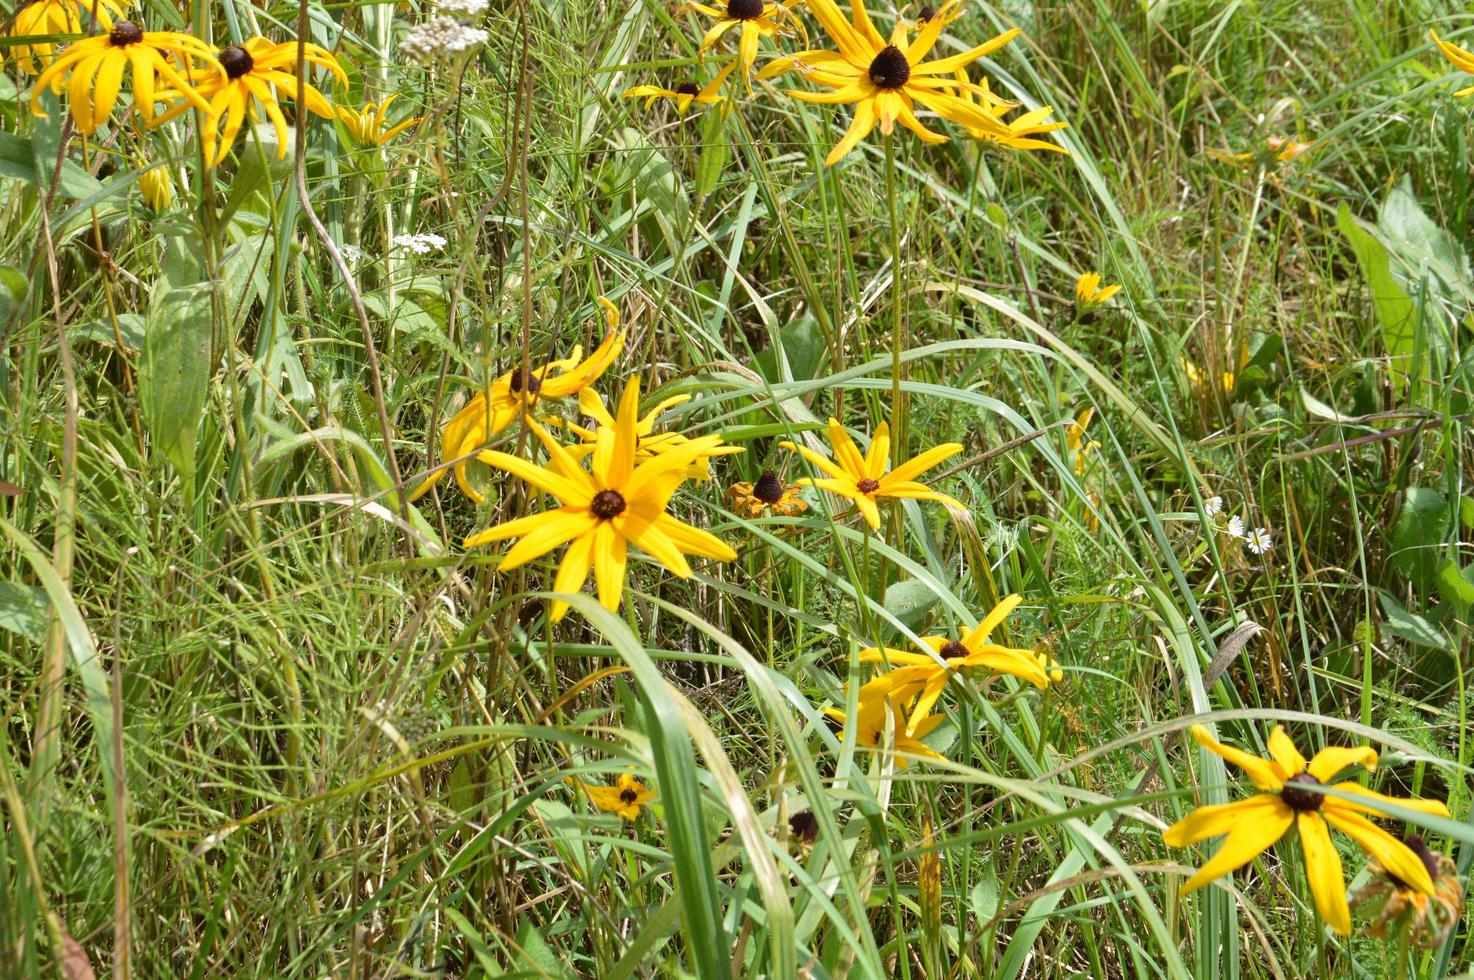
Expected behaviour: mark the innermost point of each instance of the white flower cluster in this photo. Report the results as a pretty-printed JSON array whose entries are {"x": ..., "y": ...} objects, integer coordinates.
[
  {"x": 465, "y": 9},
  {"x": 420, "y": 244},
  {"x": 440, "y": 36},
  {"x": 1260, "y": 540},
  {"x": 351, "y": 253}
]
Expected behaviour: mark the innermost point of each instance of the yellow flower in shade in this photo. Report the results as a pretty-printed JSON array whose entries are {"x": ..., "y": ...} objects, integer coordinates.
[
  {"x": 1089, "y": 293},
  {"x": 1397, "y": 908},
  {"x": 625, "y": 797},
  {"x": 885, "y": 80},
  {"x": 367, "y": 125},
  {"x": 863, "y": 479},
  {"x": 157, "y": 187},
  {"x": 870, "y": 725},
  {"x": 604, "y": 511},
  {"x": 648, "y": 442},
  {"x": 43, "y": 17},
  {"x": 757, "y": 19},
  {"x": 1075, "y": 438},
  {"x": 511, "y": 396},
  {"x": 973, "y": 652},
  {"x": 1199, "y": 378},
  {"x": 686, "y": 93},
  {"x": 1276, "y": 150},
  {"x": 1255, "y": 824},
  {"x": 1458, "y": 57},
  {"x": 767, "y": 496},
  {"x": 94, "y": 68},
  {"x": 1019, "y": 132},
  {"x": 257, "y": 73}
]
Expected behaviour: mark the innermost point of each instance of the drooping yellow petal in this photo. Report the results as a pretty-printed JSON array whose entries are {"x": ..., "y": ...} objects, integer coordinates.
[
  {"x": 1283, "y": 750},
  {"x": 1434, "y": 807},
  {"x": 1323, "y": 869},
  {"x": 1329, "y": 761},
  {"x": 1396, "y": 857},
  {"x": 1220, "y": 819},
  {"x": 1255, "y": 832},
  {"x": 1264, "y": 773}
]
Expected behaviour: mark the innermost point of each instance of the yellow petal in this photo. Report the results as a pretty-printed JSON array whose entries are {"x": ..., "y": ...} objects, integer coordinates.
[
  {"x": 1220, "y": 819},
  {"x": 992, "y": 621},
  {"x": 1265, "y": 774},
  {"x": 1253, "y": 834},
  {"x": 1434, "y": 807},
  {"x": 1323, "y": 868},
  {"x": 1329, "y": 761},
  {"x": 609, "y": 566},
  {"x": 917, "y": 465},
  {"x": 1284, "y": 752},
  {"x": 1395, "y": 856}
]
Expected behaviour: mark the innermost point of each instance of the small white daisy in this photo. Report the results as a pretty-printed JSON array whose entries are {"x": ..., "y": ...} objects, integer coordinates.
[
  {"x": 1236, "y": 526},
  {"x": 1213, "y": 506},
  {"x": 1258, "y": 540},
  {"x": 420, "y": 244}
]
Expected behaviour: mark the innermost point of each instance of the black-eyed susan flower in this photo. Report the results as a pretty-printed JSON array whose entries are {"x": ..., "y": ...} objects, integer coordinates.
[
  {"x": 870, "y": 723},
  {"x": 617, "y": 503},
  {"x": 157, "y": 187},
  {"x": 257, "y": 73},
  {"x": 624, "y": 798},
  {"x": 1089, "y": 293},
  {"x": 1398, "y": 909},
  {"x": 947, "y": 657},
  {"x": 1018, "y": 133},
  {"x": 864, "y": 479},
  {"x": 1201, "y": 379},
  {"x": 1458, "y": 57},
  {"x": 41, "y": 18},
  {"x": 756, "y": 19},
  {"x": 1255, "y": 824},
  {"x": 886, "y": 80},
  {"x": 512, "y": 395},
  {"x": 803, "y": 828},
  {"x": 685, "y": 94},
  {"x": 768, "y": 495},
  {"x": 648, "y": 442},
  {"x": 92, "y": 71},
  {"x": 368, "y": 125}
]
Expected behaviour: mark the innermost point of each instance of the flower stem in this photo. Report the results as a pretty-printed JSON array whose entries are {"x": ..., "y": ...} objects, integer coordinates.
[{"x": 898, "y": 325}]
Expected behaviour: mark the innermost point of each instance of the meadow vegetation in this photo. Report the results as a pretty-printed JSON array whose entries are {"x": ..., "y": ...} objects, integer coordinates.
[{"x": 594, "y": 489}]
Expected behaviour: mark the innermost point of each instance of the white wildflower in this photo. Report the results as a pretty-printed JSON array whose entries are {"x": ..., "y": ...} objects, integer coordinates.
[
  {"x": 1213, "y": 506},
  {"x": 420, "y": 244},
  {"x": 351, "y": 253},
  {"x": 440, "y": 36},
  {"x": 461, "y": 8},
  {"x": 1259, "y": 540},
  {"x": 1236, "y": 526}
]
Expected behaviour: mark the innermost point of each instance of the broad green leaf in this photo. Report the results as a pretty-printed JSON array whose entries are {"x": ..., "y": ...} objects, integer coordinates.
[
  {"x": 1456, "y": 585},
  {"x": 1419, "y": 245},
  {"x": 909, "y": 600},
  {"x": 1396, "y": 313},
  {"x": 1417, "y": 534},
  {"x": 803, "y": 348},
  {"x": 174, "y": 374},
  {"x": 23, "y": 610},
  {"x": 1411, "y": 627}
]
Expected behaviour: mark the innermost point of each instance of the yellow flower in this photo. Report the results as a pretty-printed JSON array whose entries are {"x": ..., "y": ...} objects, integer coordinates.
[
  {"x": 157, "y": 187},
  {"x": 1075, "y": 438},
  {"x": 1016, "y": 133},
  {"x": 863, "y": 479},
  {"x": 870, "y": 725},
  {"x": 366, "y": 125},
  {"x": 685, "y": 93},
  {"x": 1398, "y": 908},
  {"x": 44, "y": 17},
  {"x": 973, "y": 651},
  {"x": 648, "y": 442},
  {"x": 260, "y": 72},
  {"x": 1198, "y": 378},
  {"x": 625, "y": 797},
  {"x": 95, "y": 67},
  {"x": 1275, "y": 151},
  {"x": 1089, "y": 293},
  {"x": 604, "y": 511},
  {"x": 758, "y": 19},
  {"x": 511, "y": 396},
  {"x": 886, "y": 79},
  {"x": 768, "y": 494},
  {"x": 1255, "y": 824},
  {"x": 1458, "y": 57}
]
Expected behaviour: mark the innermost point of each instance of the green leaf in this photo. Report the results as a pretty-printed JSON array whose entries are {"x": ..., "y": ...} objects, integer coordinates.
[
  {"x": 802, "y": 345},
  {"x": 1396, "y": 312},
  {"x": 909, "y": 600},
  {"x": 1419, "y": 245},
  {"x": 1416, "y": 535},
  {"x": 132, "y": 327},
  {"x": 19, "y": 158},
  {"x": 1412, "y": 627},
  {"x": 1456, "y": 585},
  {"x": 714, "y": 154},
  {"x": 13, "y": 290},
  {"x": 174, "y": 374},
  {"x": 23, "y": 610}
]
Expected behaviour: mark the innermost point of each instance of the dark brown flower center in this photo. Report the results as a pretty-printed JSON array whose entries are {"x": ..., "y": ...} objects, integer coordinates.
[
  {"x": 532, "y": 383},
  {"x": 952, "y": 650},
  {"x": 890, "y": 69},
  {"x": 124, "y": 33},
  {"x": 1299, "y": 800},
  {"x": 768, "y": 488},
  {"x": 744, "y": 9},
  {"x": 925, "y": 14},
  {"x": 628, "y": 795},
  {"x": 607, "y": 505},
  {"x": 1430, "y": 860},
  {"x": 688, "y": 88},
  {"x": 236, "y": 61},
  {"x": 867, "y": 485},
  {"x": 804, "y": 826}
]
